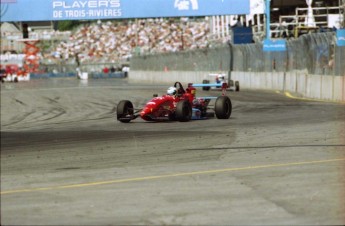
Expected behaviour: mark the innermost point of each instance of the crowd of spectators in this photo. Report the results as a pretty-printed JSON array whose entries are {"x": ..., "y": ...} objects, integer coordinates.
[{"x": 113, "y": 41}]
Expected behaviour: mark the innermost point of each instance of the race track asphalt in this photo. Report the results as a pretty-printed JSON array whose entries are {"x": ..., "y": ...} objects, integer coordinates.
[{"x": 65, "y": 160}]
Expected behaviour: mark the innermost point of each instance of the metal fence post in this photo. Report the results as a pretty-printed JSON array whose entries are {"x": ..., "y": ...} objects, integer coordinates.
[{"x": 231, "y": 61}]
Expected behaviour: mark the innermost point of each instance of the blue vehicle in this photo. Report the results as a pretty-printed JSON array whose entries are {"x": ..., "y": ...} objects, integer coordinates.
[{"x": 221, "y": 79}]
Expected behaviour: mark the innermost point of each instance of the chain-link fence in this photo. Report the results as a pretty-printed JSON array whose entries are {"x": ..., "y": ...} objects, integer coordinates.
[
  {"x": 316, "y": 53},
  {"x": 197, "y": 60}
]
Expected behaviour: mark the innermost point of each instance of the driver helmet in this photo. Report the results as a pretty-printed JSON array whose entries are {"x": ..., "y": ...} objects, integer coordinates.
[{"x": 172, "y": 91}]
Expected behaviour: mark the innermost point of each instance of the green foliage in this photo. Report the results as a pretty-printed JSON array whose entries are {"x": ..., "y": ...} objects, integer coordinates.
[
  {"x": 67, "y": 25},
  {"x": 45, "y": 46}
]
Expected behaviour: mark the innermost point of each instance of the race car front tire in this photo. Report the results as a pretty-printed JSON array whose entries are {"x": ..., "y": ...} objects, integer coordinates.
[
  {"x": 237, "y": 86},
  {"x": 206, "y": 88},
  {"x": 183, "y": 111},
  {"x": 124, "y": 109},
  {"x": 223, "y": 107}
]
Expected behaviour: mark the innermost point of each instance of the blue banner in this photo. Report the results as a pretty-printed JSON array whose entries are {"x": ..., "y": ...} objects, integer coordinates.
[
  {"x": 51, "y": 10},
  {"x": 271, "y": 45},
  {"x": 341, "y": 37}
]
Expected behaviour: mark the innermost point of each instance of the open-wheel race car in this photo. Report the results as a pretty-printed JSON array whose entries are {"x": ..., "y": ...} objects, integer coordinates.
[
  {"x": 13, "y": 73},
  {"x": 220, "y": 79},
  {"x": 178, "y": 104}
]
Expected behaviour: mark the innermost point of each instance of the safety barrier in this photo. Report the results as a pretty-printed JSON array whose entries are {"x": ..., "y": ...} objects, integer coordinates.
[{"x": 322, "y": 87}]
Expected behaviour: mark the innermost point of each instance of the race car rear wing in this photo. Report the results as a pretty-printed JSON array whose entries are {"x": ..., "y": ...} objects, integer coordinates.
[{"x": 215, "y": 75}]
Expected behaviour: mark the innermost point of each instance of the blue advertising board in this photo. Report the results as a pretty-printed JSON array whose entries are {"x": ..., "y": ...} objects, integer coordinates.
[
  {"x": 242, "y": 35},
  {"x": 341, "y": 37},
  {"x": 51, "y": 10},
  {"x": 274, "y": 45}
]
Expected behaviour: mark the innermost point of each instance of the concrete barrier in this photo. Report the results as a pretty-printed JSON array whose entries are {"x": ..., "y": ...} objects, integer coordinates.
[
  {"x": 323, "y": 87},
  {"x": 74, "y": 74},
  {"x": 51, "y": 75}
]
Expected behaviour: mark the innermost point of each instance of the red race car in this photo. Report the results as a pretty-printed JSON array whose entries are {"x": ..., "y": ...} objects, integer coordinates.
[{"x": 178, "y": 104}]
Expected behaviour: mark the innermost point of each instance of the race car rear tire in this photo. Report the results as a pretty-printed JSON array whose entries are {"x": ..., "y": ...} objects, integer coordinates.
[
  {"x": 206, "y": 88},
  {"x": 183, "y": 111},
  {"x": 231, "y": 84},
  {"x": 124, "y": 109},
  {"x": 237, "y": 86},
  {"x": 223, "y": 107}
]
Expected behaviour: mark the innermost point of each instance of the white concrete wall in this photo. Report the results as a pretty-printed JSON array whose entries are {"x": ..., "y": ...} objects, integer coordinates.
[{"x": 310, "y": 86}]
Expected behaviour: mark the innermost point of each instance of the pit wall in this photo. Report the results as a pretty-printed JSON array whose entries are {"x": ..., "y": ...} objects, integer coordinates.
[{"x": 320, "y": 87}]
